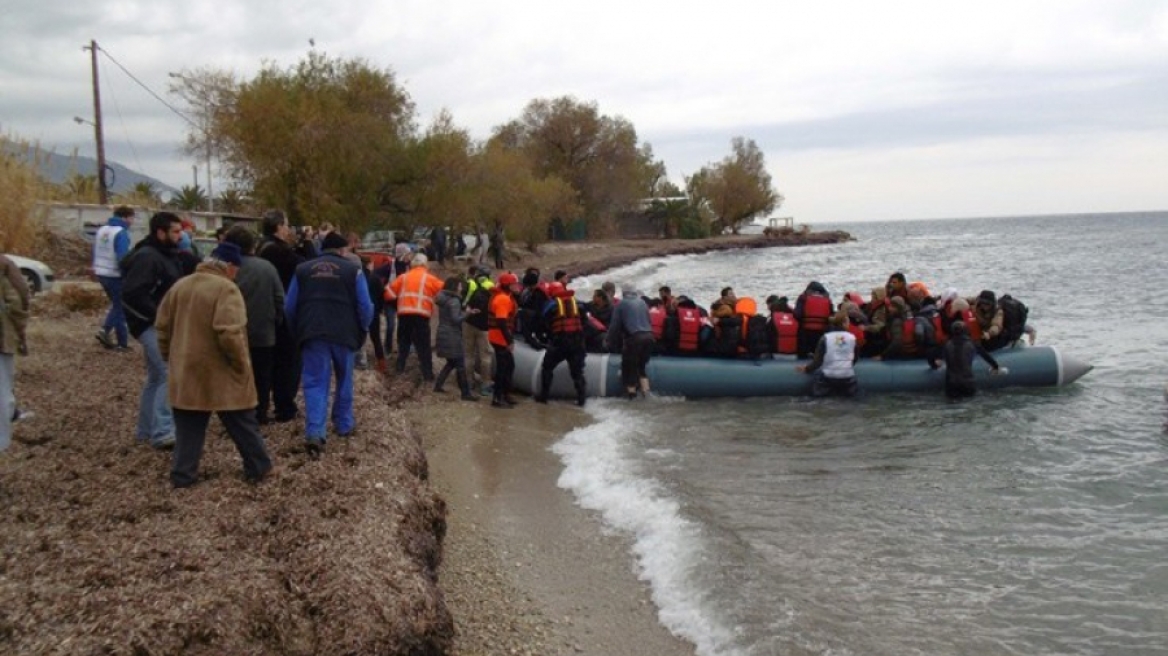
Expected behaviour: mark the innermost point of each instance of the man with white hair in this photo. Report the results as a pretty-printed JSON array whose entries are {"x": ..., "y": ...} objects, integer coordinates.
[
  {"x": 630, "y": 324},
  {"x": 415, "y": 292}
]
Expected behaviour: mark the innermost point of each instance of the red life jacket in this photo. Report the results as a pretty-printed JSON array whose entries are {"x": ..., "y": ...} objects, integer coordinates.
[
  {"x": 786, "y": 331},
  {"x": 908, "y": 337},
  {"x": 567, "y": 318},
  {"x": 689, "y": 324},
  {"x": 657, "y": 321},
  {"x": 816, "y": 310},
  {"x": 939, "y": 333},
  {"x": 971, "y": 325},
  {"x": 857, "y": 331}
]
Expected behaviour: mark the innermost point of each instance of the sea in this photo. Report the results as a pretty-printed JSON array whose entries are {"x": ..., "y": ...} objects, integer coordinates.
[{"x": 1022, "y": 521}]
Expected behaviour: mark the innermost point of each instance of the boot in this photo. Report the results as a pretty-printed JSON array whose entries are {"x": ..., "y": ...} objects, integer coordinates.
[
  {"x": 441, "y": 379},
  {"x": 545, "y": 384},
  {"x": 581, "y": 391},
  {"x": 464, "y": 385}
]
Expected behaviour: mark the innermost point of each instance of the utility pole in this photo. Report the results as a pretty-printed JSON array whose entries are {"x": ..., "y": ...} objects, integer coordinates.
[{"x": 102, "y": 190}]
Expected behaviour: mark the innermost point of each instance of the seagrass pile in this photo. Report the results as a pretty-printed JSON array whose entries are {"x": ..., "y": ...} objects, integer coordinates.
[{"x": 99, "y": 556}]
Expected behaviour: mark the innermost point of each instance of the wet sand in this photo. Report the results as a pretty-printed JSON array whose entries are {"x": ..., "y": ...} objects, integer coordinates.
[{"x": 526, "y": 570}]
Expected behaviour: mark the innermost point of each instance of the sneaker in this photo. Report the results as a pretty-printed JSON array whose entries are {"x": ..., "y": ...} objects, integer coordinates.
[
  {"x": 164, "y": 443},
  {"x": 314, "y": 448},
  {"x": 121, "y": 349},
  {"x": 103, "y": 337}
]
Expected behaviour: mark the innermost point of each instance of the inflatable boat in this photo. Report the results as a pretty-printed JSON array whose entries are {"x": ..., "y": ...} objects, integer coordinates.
[{"x": 701, "y": 377}]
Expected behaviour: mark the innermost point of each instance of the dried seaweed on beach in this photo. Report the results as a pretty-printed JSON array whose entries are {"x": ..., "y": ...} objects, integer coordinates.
[{"x": 99, "y": 555}]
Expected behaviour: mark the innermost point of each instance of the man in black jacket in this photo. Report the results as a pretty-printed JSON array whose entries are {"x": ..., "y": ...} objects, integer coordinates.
[
  {"x": 277, "y": 248},
  {"x": 148, "y": 272}
]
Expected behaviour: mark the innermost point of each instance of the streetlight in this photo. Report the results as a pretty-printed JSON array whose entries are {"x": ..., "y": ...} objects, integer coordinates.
[{"x": 206, "y": 140}]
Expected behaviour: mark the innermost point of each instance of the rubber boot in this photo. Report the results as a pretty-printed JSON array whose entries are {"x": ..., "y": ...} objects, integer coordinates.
[
  {"x": 581, "y": 391},
  {"x": 545, "y": 384}
]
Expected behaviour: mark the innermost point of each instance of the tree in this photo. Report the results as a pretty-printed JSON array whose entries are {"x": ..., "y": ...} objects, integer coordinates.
[
  {"x": 231, "y": 200},
  {"x": 737, "y": 190},
  {"x": 189, "y": 198},
  {"x": 597, "y": 155},
  {"x": 508, "y": 192},
  {"x": 325, "y": 139},
  {"x": 436, "y": 182}
]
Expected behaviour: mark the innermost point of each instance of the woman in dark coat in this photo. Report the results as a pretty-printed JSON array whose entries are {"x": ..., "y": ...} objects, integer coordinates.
[{"x": 449, "y": 341}]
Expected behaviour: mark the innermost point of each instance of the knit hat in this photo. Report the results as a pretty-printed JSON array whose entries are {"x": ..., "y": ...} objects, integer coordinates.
[
  {"x": 334, "y": 242},
  {"x": 986, "y": 296},
  {"x": 228, "y": 252}
]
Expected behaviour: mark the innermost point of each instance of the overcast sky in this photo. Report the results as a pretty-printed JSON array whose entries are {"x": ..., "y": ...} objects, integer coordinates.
[{"x": 864, "y": 110}]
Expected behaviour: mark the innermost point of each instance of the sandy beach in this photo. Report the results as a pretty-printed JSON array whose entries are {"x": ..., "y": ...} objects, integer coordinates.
[{"x": 525, "y": 570}]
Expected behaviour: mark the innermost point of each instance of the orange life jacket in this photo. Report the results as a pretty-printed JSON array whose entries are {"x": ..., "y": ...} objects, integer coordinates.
[{"x": 567, "y": 318}]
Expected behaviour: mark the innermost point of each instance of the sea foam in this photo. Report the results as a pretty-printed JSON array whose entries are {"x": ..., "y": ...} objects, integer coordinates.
[{"x": 669, "y": 548}]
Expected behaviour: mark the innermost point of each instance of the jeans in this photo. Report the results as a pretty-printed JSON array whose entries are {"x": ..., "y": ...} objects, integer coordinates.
[
  {"x": 321, "y": 360},
  {"x": 115, "y": 319},
  {"x": 7, "y": 400},
  {"x": 155, "y": 420}
]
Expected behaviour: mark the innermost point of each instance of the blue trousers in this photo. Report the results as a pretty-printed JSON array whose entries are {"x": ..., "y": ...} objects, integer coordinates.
[
  {"x": 115, "y": 319},
  {"x": 321, "y": 361}
]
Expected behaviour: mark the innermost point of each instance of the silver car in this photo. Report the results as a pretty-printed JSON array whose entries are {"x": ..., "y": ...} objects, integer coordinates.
[{"x": 37, "y": 273}]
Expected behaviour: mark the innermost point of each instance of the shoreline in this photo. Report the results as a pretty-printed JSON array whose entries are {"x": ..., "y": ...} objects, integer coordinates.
[{"x": 525, "y": 569}]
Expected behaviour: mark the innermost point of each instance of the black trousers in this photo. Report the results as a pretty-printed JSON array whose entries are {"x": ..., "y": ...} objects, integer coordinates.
[
  {"x": 285, "y": 374},
  {"x": 557, "y": 352},
  {"x": 262, "y": 362},
  {"x": 504, "y": 371},
  {"x": 414, "y": 331},
  {"x": 190, "y": 433}
]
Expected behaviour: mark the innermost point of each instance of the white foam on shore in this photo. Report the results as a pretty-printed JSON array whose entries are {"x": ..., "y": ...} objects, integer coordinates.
[{"x": 601, "y": 472}]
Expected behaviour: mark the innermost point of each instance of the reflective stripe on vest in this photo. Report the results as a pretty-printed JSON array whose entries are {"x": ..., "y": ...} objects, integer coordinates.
[
  {"x": 567, "y": 319},
  {"x": 413, "y": 299}
]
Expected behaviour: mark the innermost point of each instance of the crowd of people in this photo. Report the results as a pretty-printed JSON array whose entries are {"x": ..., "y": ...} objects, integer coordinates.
[{"x": 244, "y": 330}]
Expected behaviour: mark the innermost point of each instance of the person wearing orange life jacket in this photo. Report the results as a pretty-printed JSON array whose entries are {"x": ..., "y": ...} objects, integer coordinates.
[
  {"x": 414, "y": 293},
  {"x": 812, "y": 309},
  {"x": 501, "y": 333},
  {"x": 565, "y": 342},
  {"x": 834, "y": 361},
  {"x": 784, "y": 329}
]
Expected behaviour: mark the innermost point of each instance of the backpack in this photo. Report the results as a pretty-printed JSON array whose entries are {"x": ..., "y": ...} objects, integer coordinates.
[
  {"x": 1014, "y": 316},
  {"x": 757, "y": 337},
  {"x": 480, "y": 300}
]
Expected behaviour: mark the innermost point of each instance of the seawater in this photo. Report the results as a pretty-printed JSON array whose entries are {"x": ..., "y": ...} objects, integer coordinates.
[{"x": 1023, "y": 521}]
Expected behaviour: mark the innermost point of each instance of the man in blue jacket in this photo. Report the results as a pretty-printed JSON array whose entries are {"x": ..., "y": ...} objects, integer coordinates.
[
  {"x": 329, "y": 311},
  {"x": 110, "y": 245}
]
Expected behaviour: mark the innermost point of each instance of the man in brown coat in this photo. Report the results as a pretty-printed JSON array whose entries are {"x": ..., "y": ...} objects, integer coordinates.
[{"x": 202, "y": 333}]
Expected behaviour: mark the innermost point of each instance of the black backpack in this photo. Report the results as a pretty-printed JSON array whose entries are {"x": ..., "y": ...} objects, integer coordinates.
[
  {"x": 480, "y": 300},
  {"x": 758, "y": 342},
  {"x": 1014, "y": 316}
]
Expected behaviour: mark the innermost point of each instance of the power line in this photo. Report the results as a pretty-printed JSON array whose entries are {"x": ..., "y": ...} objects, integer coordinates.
[{"x": 150, "y": 91}]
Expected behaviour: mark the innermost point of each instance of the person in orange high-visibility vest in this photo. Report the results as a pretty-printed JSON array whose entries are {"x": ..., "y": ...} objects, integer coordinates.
[
  {"x": 414, "y": 292},
  {"x": 501, "y": 334}
]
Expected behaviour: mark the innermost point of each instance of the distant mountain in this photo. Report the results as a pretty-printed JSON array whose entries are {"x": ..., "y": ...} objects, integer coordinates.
[{"x": 57, "y": 168}]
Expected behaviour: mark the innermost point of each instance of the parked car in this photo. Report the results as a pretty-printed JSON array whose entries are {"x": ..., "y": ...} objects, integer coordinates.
[{"x": 38, "y": 274}]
